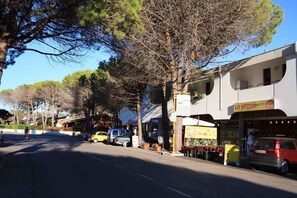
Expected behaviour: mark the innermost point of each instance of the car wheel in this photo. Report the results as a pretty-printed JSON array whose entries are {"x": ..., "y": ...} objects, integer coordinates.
[
  {"x": 125, "y": 144},
  {"x": 284, "y": 169},
  {"x": 95, "y": 141}
]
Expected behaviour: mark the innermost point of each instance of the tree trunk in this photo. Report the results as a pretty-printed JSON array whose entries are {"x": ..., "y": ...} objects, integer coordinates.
[
  {"x": 87, "y": 118},
  {"x": 53, "y": 116},
  {"x": 33, "y": 114},
  {"x": 139, "y": 120},
  {"x": 3, "y": 54},
  {"x": 165, "y": 122},
  {"x": 178, "y": 133},
  {"x": 18, "y": 118},
  {"x": 14, "y": 116},
  {"x": 42, "y": 109},
  {"x": 175, "y": 88},
  {"x": 28, "y": 116}
]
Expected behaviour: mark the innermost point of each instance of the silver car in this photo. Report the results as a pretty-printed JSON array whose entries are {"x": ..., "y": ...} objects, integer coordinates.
[{"x": 124, "y": 140}]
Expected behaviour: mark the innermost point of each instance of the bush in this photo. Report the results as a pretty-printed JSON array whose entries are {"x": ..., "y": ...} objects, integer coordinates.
[{"x": 20, "y": 126}]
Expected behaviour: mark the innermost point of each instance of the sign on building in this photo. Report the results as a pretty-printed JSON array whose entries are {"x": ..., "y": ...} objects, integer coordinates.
[
  {"x": 254, "y": 106},
  {"x": 201, "y": 132},
  {"x": 183, "y": 105}
]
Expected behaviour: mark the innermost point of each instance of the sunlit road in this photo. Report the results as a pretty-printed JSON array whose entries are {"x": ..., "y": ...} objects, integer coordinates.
[{"x": 54, "y": 166}]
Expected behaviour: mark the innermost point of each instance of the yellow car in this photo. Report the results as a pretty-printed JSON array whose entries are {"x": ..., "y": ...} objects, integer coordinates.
[{"x": 99, "y": 136}]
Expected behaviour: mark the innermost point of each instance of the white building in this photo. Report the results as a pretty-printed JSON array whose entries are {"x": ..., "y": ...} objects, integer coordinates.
[{"x": 254, "y": 94}]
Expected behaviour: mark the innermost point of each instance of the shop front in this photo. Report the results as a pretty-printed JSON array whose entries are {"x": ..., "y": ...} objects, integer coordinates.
[
  {"x": 258, "y": 117},
  {"x": 201, "y": 142}
]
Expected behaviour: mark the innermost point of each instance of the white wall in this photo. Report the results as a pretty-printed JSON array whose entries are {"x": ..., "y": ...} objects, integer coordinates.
[
  {"x": 286, "y": 89},
  {"x": 219, "y": 104}
]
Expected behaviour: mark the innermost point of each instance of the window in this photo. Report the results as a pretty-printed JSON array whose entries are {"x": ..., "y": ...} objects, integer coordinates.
[
  {"x": 207, "y": 88},
  {"x": 264, "y": 144},
  {"x": 115, "y": 132},
  {"x": 122, "y": 132},
  {"x": 287, "y": 144},
  {"x": 267, "y": 76}
]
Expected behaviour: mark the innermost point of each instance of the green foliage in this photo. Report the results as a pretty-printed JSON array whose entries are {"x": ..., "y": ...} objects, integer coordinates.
[
  {"x": 117, "y": 17},
  {"x": 5, "y": 114},
  {"x": 20, "y": 126},
  {"x": 71, "y": 80},
  {"x": 268, "y": 17},
  {"x": 200, "y": 142},
  {"x": 41, "y": 84}
]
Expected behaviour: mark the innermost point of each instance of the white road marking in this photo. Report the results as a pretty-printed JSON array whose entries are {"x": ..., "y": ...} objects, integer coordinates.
[
  {"x": 96, "y": 158},
  {"x": 144, "y": 176},
  {"x": 179, "y": 192},
  {"x": 161, "y": 184},
  {"x": 118, "y": 166}
]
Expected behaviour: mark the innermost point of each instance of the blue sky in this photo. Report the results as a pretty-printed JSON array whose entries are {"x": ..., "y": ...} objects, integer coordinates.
[{"x": 31, "y": 67}]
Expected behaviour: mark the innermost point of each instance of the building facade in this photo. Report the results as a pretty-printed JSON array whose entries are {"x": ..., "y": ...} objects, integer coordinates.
[{"x": 256, "y": 94}]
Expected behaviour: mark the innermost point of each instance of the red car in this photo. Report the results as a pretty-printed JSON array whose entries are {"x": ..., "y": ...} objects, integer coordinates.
[{"x": 278, "y": 152}]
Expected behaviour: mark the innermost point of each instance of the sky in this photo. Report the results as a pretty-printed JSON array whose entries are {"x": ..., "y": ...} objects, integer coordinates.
[{"x": 31, "y": 67}]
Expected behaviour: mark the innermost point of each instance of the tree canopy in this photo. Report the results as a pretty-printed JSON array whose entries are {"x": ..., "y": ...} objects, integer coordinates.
[
  {"x": 65, "y": 27},
  {"x": 181, "y": 35}
]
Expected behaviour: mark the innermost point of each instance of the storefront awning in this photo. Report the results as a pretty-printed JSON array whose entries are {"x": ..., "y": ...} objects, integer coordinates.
[{"x": 195, "y": 122}]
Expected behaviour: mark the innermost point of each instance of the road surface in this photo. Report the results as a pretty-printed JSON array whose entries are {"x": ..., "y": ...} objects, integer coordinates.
[{"x": 63, "y": 166}]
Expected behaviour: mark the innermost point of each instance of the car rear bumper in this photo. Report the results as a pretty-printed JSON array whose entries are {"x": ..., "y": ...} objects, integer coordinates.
[{"x": 265, "y": 161}]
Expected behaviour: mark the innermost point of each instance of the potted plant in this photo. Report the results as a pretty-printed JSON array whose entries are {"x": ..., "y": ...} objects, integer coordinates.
[
  {"x": 146, "y": 146},
  {"x": 157, "y": 147}
]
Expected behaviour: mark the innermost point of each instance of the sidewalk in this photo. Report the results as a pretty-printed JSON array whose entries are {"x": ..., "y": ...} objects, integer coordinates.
[{"x": 243, "y": 159}]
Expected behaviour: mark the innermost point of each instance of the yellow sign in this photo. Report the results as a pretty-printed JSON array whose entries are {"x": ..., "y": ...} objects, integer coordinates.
[
  {"x": 231, "y": 153},
  {"x": 201, "y": 132},
  {"x": 254, "y": 106}
]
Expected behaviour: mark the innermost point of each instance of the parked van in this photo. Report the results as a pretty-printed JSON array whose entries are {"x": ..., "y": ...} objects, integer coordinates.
[
  {"x": 114, "y": 132},
  {"x": 278, "y": 152}
]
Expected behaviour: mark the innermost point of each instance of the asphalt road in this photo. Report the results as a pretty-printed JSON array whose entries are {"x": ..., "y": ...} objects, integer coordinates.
[{"x": 54, "y": 166}]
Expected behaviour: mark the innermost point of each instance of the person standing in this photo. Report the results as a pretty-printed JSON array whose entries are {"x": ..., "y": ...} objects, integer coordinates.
[
  {"x": 250, "y": 141},
  {"x": 27, "y": 133}
]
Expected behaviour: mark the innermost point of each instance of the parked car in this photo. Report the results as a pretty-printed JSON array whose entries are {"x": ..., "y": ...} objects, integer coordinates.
[
  {"x": 114, "y": 132},
  {"x": 99, "y": 136},
  {"x": 278, "y": 152},
  {"x": 124, "y": 140}
]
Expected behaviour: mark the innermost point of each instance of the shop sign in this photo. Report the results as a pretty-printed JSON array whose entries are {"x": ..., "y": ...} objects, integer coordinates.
[
  {"x": 201, "y": 132},
  {"x": 254, "y": 106}
]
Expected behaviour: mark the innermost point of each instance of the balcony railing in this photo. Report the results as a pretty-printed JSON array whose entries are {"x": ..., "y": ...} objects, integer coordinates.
[{"x": 257, "y": 85}]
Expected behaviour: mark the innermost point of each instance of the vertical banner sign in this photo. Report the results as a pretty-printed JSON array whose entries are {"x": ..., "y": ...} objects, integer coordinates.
[{"x": 183, "y": 105}]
